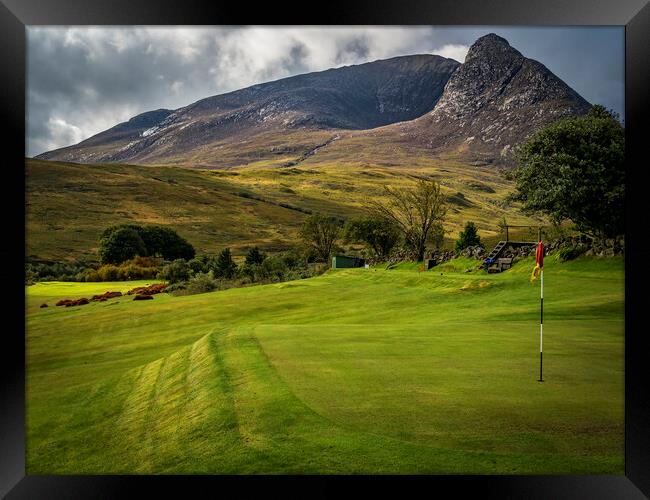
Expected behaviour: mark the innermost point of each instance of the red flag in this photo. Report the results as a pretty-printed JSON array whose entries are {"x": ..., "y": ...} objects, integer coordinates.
[{"x": 539, "y": 261}]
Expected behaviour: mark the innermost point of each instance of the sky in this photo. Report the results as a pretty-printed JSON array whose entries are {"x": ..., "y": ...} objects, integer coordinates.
[{"x": 83, "y": 80}]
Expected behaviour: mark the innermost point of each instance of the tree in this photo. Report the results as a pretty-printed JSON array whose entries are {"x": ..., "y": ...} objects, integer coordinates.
[
  {"x": 468, "y": 237},
  {"x": 321, "y": 233},
  {"x": 158, "y": 241},
  {"x": 380, "y": 235},
  {"x": 224, "y": 266},
  {"x": 574, "y": 169},
  {"x": 416, "y": 212},
  {"x": 167, "y": 243},
  {"x": 254, "y": 256},
  {"x": 120, "y": 245}
]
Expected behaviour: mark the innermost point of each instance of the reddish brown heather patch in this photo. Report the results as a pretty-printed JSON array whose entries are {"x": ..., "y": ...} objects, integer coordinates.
[
  {"x": 148, "y": 290},
  {"x": 69, "y": 303},
  {"x": 107, "y": 295},
  {"x": 143, "y": 297}
]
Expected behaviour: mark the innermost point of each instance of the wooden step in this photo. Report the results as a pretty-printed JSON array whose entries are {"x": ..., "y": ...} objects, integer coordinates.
[{"x": 496, "y": 250}]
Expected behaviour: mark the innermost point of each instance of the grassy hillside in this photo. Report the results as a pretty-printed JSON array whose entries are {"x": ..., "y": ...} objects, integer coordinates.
[
  {"x": 68, "y": 205},
  {"x": 356, "y": 371}
]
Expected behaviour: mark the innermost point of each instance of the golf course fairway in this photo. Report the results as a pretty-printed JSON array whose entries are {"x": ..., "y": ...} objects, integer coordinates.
[{"x": 361, "y": 371}]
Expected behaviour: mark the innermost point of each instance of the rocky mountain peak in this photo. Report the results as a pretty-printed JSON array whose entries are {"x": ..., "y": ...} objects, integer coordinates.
[
  {"x": 492, "y": 47},
  {"x": 496, "y": 99}
]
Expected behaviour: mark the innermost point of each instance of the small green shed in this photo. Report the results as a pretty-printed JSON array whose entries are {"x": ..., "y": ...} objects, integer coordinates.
[{"x": 343, "y": 261}]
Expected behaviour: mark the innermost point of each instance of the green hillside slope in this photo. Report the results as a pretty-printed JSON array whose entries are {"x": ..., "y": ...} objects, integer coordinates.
[{"x": 68, "y": 205}]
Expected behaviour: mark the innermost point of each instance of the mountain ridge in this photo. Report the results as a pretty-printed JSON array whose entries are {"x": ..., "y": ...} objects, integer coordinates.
[
  {"x": 480, "y": 109},
  {"x": 349, "y": 98}
]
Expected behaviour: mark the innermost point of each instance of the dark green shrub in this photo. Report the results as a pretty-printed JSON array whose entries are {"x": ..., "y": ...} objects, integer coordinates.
[
  {"x": 252, "y": 272},
  {"x": 570, "y": 252},
  {"x": 199, "y": 264},
  {"x": 175, "y": 271},
  {"x": 176, "y": 288},
  {"x": 202, "y": 283},
  {"x": 91, "y": 275},
  {"x": 108, "y": 272}
]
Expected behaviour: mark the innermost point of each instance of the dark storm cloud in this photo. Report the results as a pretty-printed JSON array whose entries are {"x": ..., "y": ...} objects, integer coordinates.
[
  {"x": 357, "y": 48},
  {"x": 82, "y": 80}
]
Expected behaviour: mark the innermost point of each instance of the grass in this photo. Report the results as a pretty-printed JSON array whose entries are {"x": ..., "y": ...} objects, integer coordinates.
[
  {"x": 68, "y": 205},
  {"x": 356, "y": 371},
  {"x": 49, "y": 292}
]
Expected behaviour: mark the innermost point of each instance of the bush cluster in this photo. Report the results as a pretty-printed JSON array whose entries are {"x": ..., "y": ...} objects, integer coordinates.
[
  {"x": 134, "y": 269},
  {"x": 57, "y": 271},
  {"x": 205, "y": 274}
]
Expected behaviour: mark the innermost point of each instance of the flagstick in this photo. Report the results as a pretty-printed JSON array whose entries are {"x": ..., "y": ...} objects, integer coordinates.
[{"x": 541, "y": 324}]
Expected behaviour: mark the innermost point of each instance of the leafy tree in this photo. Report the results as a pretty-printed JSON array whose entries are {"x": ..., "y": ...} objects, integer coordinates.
[
  {"x": 159, "y": 241},
  {"x": 574, "y": 169},
  {"x": 468, "y": 237},
  {"x": 321, "y": 233},
  {"x": 254, "y": 256},
  {"x": 121, "y": 244},
  {"x": 165, "y": 242},
  {"x": 416, "y": 212},
  {"x": 111, "y": 229},
  {"x": 224, "y": 266},
  {"x": 380, "y": 235}
]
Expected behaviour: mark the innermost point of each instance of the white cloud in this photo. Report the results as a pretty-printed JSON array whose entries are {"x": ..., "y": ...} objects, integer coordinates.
[
  {"x": 62, "y": 132},
  {"x": 453, "y": 51}
]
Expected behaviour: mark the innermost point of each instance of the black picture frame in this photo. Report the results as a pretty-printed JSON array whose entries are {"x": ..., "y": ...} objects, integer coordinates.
[{"x": 16, "y": 14}]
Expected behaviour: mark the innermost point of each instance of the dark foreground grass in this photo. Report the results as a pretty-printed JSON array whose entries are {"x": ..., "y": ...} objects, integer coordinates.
[{"x": 357, "y": 371}]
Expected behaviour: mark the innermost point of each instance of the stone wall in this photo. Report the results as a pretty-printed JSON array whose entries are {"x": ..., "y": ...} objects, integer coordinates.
[{"x": 586, "y": 246}]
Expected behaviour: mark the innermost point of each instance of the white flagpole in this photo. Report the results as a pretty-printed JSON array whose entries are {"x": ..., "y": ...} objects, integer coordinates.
[{"x": 541, "y": 324}]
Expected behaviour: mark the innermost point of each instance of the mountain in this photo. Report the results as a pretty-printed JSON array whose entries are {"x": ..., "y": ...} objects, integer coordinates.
[
  {"x": 383, "y": 112},
  {"x": 495, "y": 100},
  {"x": 349, "y": 98}
]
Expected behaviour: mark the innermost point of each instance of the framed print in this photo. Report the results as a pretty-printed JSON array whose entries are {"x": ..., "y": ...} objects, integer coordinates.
[{"x": 384, "y": 248}]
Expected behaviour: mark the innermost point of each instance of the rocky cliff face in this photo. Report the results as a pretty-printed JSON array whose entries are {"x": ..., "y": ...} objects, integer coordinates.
[
  {"x": 494, "y": 101},
  {"x": 349, "y": 98}
]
